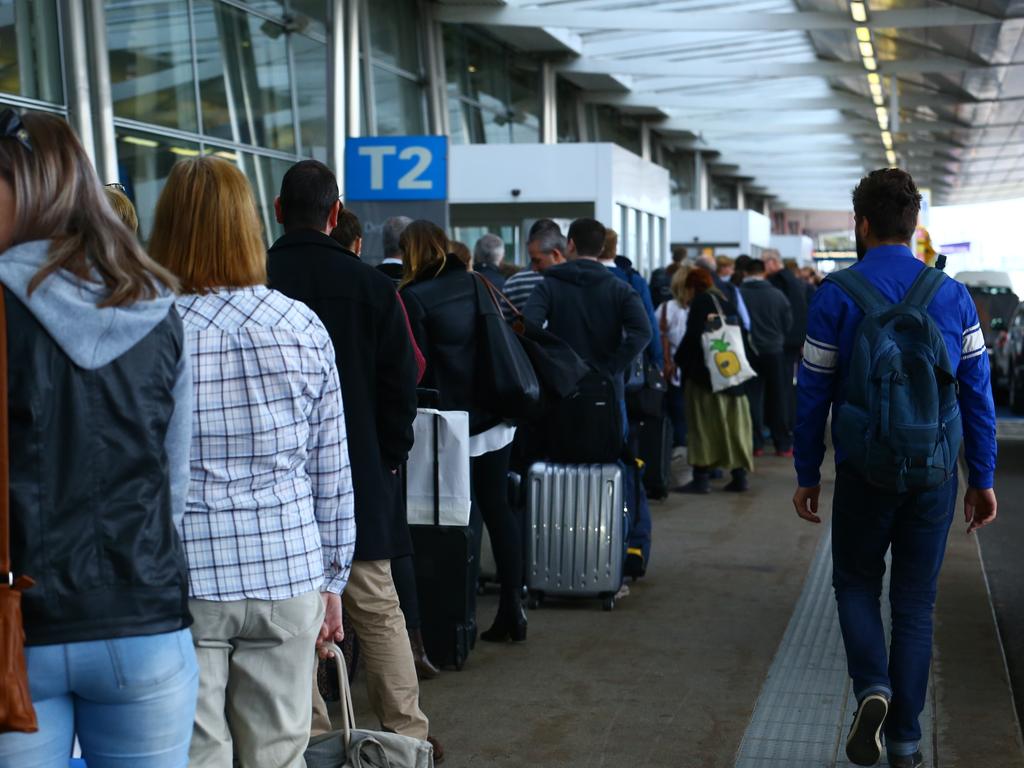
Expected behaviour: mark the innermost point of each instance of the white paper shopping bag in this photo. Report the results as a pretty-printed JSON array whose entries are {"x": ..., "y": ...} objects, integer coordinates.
[{"x": 437, "y": 474}]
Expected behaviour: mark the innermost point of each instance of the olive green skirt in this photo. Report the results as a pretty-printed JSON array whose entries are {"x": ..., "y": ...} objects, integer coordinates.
[{"x": 719, "y": 430}]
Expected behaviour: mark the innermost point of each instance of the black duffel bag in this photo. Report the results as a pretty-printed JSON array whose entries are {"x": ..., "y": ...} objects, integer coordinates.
[{"x": 508, "y": 385}]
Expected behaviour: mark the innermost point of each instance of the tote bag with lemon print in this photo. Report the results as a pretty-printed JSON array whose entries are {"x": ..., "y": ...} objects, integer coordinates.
[{"x": 724, "y": 354}]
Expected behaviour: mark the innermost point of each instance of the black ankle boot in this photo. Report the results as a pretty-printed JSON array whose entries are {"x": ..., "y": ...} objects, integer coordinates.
[
  {"x": 509, "y": 625},
  {"x": 739, "y": 482},
  {"x": 701, "y": 483},
  {"x": 425, "y": 668}
]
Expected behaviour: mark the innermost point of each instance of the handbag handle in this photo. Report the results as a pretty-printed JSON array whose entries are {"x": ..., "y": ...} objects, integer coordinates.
[
  {"x": 498, "y": 298},
  {"x": 5, "y": 458}
]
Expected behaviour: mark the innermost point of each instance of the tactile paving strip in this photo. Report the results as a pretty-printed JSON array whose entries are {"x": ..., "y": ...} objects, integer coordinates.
[{"x": 806, "y": 705}]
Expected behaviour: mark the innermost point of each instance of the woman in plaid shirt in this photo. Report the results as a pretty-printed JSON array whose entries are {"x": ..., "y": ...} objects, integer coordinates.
[{"x": 269, "y": 519}]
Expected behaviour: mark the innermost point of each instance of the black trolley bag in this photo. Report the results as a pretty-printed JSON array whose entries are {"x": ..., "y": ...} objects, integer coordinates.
[{"x": 446, "y": 576}]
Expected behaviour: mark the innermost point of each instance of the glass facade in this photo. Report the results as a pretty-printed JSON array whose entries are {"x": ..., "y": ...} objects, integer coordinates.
[
  {"x": 396, "y": 89},
  {"x": 30, "y": 60},
  {"x": 246, "y": 81},
  {"x": 492, "y": 96}
]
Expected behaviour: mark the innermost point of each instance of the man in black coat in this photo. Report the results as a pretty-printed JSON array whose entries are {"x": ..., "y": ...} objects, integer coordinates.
[
  {"x": 796, "y": 291},
  {"x": 770, "y": 321},
  {"x": 372, "y": 345}
]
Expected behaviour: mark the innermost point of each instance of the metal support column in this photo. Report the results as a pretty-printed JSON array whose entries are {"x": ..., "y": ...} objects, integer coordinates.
[
  {"x": 549, "y": 103},
  {"x": 645, "y": 140},
  {"x": 77, "y": 74},
  {"x": 353, "y": 93},
  {"x": 336, "y": 87},
  {"x": 103, "y": 101},
  {"x": 433, "y": 62},
  {"x": 701, "y": 183},
  {"x": 741, "y": 196}
]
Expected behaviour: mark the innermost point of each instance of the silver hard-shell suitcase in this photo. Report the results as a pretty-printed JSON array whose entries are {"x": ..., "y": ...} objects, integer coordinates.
[{"x": 576, "y": 541}]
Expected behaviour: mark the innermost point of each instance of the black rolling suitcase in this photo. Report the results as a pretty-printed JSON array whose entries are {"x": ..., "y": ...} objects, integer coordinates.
[
  {"x": 446, "y": 584},
  {"x": 654, "y": 448},
  {"x": 446, "y": 580}
]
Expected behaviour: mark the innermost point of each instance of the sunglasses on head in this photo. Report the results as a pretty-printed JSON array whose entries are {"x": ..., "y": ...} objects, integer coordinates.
[
  {"x": 11, "y": 127},
  {"x": 118, "y": 186}
]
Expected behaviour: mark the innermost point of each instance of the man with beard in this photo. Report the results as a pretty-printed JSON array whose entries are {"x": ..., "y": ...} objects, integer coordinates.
[{"x": 930, "y": 360}]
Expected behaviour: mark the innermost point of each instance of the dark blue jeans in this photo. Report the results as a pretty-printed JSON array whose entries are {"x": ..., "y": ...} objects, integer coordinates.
[
  {"x": 640, "y": 526},
  {"x": 866, "y": 522}
]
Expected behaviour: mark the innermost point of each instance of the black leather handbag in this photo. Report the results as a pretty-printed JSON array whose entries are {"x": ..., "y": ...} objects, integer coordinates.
[{"x": 507, "y": 382}]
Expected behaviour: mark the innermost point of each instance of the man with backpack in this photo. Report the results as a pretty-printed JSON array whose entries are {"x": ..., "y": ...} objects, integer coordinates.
[
  {"x": 896, "y": 351},
  {"x": 603, "y": 319}
]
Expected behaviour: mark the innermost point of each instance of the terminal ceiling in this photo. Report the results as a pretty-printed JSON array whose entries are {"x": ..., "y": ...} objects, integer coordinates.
[{"x": 781, "y": 90}]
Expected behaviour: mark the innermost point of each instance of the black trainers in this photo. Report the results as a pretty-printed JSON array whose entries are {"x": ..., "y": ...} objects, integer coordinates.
[
  {"x": 864, "y": 744},
  {"x": 915, "y": 760}
]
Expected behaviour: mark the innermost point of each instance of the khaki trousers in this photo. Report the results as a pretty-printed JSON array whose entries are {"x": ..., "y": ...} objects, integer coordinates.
[
  {"x": 371, "y": 602},
  {"x": 254, "y": 697}
]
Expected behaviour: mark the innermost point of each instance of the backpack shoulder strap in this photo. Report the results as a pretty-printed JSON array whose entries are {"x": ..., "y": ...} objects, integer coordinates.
[
  {"x": 860, "y": 289},
  {"x": 924, "y": 288}
]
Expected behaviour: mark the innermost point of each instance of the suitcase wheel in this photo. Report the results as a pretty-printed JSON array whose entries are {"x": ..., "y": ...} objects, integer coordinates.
[
  {"x": 535, "y": 601},
  {"x": 608, "y": 603}
]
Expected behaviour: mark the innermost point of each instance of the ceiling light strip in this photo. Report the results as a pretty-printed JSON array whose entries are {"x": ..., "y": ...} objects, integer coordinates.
[{"x": 868, "y": 57}]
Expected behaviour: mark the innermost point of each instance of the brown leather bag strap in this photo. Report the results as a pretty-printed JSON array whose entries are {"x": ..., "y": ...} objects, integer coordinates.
[{"x": 5, "y": 458}]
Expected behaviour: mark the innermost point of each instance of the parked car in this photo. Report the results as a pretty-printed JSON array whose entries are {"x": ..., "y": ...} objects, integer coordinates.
[{"x": 1008, "y": 360}]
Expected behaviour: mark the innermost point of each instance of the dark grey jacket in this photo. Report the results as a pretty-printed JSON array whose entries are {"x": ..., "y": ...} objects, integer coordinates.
[{"x": 770, "y": 315}]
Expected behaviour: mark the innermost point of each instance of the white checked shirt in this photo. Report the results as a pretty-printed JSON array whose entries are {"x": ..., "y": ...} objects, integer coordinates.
[{"x": 270, "y": 503}]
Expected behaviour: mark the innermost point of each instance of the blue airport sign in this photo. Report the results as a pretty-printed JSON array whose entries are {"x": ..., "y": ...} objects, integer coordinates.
[{"x": 396, "y": 168}]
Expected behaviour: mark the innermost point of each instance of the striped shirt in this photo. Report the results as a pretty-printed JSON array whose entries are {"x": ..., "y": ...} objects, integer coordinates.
[
  {"x": 270, "y": 505},
  {"x": 519, "y": 287}
]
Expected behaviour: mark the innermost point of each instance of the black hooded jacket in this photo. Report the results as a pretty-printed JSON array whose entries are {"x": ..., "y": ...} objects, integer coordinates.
[
  {"x": 443, "y": 314},
  {"x": 598, "y": 315}
]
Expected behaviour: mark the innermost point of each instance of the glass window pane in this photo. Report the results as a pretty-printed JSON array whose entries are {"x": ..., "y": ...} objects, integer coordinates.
[
  {"x": 144, "y": 162},
  {"x": 311, "y": 86},
  {"x": 524, "y": 87},
  {"x": 399, "y": 104},
  {"x": 30, "y": 50},
  {"x": 244, "y": 77},
  {"x": 487, "y": 74},
  {"x": 568, "y": 130},
  {"x": 151, "y": 62},
  {"x": 496, "y": 127},
  {"x": 307, "y": 15},
  {"x": 394, "y": 34},
  {"x": 265, "y": 175}
]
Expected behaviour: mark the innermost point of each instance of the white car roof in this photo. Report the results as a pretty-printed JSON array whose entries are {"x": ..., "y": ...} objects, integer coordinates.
[{"x": 985, "y": 278}]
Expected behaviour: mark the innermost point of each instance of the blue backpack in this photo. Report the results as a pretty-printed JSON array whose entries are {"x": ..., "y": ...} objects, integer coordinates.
[{"x": 900, "y": 422}]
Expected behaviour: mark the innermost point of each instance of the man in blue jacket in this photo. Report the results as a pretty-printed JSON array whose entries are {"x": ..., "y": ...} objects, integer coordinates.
[{"x": 867, "y": 521}]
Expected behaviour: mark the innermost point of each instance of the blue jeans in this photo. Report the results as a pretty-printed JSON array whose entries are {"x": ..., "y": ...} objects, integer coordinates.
[
  {"x": 866, "y": 522},
  {"x": 130, "y": 700},
  {"x": 638, "y": 536}
]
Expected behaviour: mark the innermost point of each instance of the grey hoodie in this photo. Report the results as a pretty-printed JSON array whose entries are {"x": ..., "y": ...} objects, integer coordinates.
[{"x": 93, "y": 337}]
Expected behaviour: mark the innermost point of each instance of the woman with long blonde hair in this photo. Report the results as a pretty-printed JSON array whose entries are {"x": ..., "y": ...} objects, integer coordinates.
[
  {"x": 268, "y": 528},
  {"x": 100, "y": 412}
]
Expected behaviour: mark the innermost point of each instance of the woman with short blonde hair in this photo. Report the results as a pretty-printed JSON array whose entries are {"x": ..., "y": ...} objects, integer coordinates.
[
  {"x": 269, "y": 520},
  {"x": 100, "y": 397}
]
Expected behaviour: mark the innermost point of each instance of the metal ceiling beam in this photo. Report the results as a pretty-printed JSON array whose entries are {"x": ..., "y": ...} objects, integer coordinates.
[
  {"x": 708, "y": 21},
  {"x": 838, "y": 100},
  {"x": 709, "y": 68}
]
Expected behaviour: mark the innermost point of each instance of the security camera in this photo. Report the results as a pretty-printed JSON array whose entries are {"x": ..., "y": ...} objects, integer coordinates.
[{"x": 516, "y": 192}]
